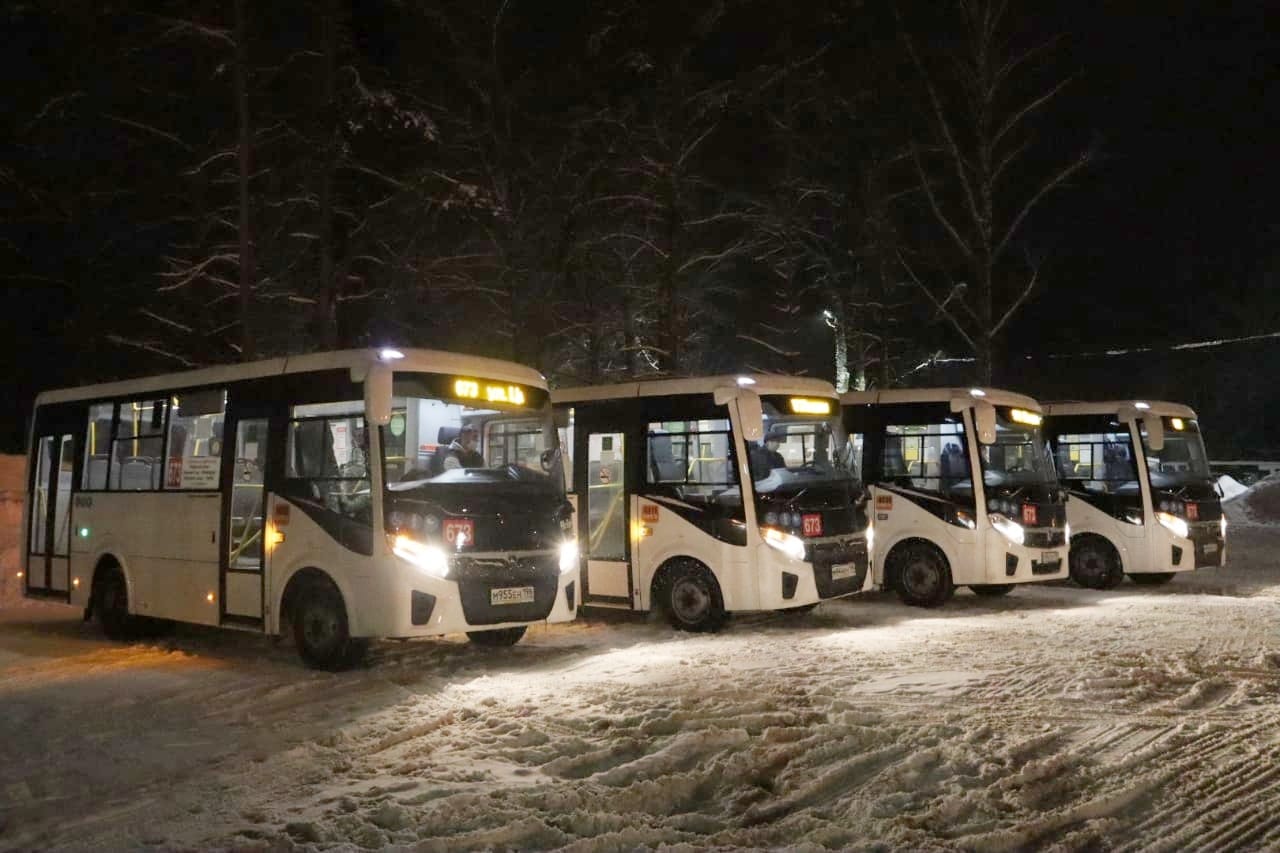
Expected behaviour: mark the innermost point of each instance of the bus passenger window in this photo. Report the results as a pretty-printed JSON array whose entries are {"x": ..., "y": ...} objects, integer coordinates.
[
  {"x": 194, "y": 458},
  {"x": 97, "y": 443},
  {"x": 327, "y": 460},
  {"x": 136, "y": 451}
]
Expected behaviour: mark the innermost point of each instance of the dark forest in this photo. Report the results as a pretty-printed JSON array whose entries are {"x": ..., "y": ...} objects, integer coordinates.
[{"x": 1030, "y": 195}]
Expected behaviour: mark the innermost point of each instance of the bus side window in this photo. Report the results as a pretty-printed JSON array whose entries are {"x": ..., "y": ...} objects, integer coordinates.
[
  {"x": 97, "y": 446},
  {"x": 194, "y": 458},
  {"x": 139, "y": 439}
]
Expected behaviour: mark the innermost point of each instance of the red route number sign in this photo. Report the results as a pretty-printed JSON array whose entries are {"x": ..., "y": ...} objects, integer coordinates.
[
  {"x": 459, "y": 527},
  {"x": 811, "y": 524}
]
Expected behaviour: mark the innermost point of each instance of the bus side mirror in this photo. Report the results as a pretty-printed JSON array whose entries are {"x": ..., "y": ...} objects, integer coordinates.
[
  {"x": 1154, "y": 425},
  {"x": 377, "y": 395},
  {"x": 984, "y": 415}
]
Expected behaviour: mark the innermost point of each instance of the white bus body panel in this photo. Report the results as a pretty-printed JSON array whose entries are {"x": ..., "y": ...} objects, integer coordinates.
[
  {"x": 1143, "y": 548},
  {"x": 166, "y": 544}
]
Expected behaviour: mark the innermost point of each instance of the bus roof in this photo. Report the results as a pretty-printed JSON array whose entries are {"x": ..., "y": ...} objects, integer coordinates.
[
  {"x": 1163, "y": 408},
  {"x": 357, "y": 361},
  {"x": 995, "y": 396},
  {"x": 760, "y": 383}
]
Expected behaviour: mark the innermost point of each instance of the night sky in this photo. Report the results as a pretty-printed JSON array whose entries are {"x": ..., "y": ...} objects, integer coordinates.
[{"x": 1171, "y": 236}]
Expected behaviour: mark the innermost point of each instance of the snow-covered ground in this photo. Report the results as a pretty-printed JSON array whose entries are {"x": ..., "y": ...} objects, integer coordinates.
[{"x": 1142, "y": 718}]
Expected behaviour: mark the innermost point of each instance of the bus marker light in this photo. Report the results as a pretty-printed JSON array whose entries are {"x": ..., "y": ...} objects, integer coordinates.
[
  {"x": 1177, "y": 423},
  {"x": 977, "y": 392},
  {"x": 1141, "y": 405},
  {"x": 75, "y": 582},
  {"x": 390, "y": 354},
  {"x": 84, "y": 532},
  {"x": 209, "y": 597},
  {"x": 745, "y": 380}
]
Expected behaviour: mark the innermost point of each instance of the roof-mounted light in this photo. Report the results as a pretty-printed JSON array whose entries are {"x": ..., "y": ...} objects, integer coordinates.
[
  {"x": 1141, "y": 405},
  {"x": 745, "y": 380},
  {"x": 977, "y": 392},
  {"x": 389, "y": 354}
]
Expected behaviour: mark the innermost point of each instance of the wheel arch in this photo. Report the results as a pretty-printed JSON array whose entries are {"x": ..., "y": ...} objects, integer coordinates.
[
  {"x": 109, "y": 561},
  {"x": 668, "y": 567},
  {"x": 899, "y": 547},
  {"x": 1086, "y": 535},
  {"x": 298, "y": 580}
]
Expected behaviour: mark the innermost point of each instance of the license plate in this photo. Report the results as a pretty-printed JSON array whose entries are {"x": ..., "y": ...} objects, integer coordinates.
[
  {"x": 1211, "y": 547},
  {"x": 843, "y": 570},
  {"x": 511, "y": 595},
  {"x": 1048, "y": 556}
]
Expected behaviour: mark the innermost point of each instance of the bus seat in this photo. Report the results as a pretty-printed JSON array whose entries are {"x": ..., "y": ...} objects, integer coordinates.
[
  {"x": 96, "y": 475},
  {"x": 135, "y": 474}
]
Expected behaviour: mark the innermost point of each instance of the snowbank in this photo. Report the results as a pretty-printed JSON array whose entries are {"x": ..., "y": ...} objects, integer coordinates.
[
  {"x": 1258, "y": 504},
  {"x": 12, "y": 490},
  {"x": 1230, "y": 487}
]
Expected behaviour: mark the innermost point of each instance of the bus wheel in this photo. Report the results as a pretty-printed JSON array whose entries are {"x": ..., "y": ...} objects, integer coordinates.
[
  {"x": 111, "y": 604},
  {"x": 923, "y": 576},
  {"x": 692, "y": 598},
  {"x": 1094, "y": 563},
  {"x": 500, "y": 637},
  {"x": 991, "y": 590},
  {"x": 320, "y": 629},
  {"x": 1152, "y": 578}
]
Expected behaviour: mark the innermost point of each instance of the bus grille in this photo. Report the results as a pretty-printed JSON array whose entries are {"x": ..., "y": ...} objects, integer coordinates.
[
  {"x": 1041, "y": 537},
  {"x": 844, "y": 552},
  {"x": 477, "y": 577}
]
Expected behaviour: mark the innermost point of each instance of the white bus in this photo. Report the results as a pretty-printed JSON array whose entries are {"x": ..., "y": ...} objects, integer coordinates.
[
  {"x": 706, "y": 496},
  {"x": 253, "y": 496},
  {"x": 964, "y": 490},
  {"x": 1146, "y": 513}
]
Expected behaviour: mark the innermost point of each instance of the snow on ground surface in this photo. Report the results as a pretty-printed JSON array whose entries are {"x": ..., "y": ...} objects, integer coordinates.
[{"x": 1061, "y": 718}]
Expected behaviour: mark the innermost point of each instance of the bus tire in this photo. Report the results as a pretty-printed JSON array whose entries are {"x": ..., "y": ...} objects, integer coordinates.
[
  {"x": 921, "y": 574},
  {"x": 1094, "y": 563},
  {"x": 991, "y": 590},
  {"x": 1151, "y": 578},
  {"x": 319, "y": 621},
  {"x": 499, "y": 637},
  {"x": 691, "y": 597},
  {"x": 111, "y": 604}
]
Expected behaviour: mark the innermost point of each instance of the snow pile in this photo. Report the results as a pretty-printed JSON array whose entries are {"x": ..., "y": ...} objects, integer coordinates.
[
  {"x": 1230, "y": 488},
  {"x": 12, "y": 492},
  {"x": 1259, "y": 504}
]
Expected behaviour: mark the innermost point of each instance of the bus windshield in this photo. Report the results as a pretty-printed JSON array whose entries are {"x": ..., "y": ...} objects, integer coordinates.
[
  {"x": 1020, "y": 456},
  {"x": 798, "y": 450},
  {"x": 446, "y": 456},
  {"x": 1182, "y": 460}
]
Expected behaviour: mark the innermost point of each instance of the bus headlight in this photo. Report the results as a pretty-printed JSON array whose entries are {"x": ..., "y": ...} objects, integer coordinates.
[
  {"x": 568, "y": 556},
  {"x": 1173, "y": 524},
  {"x": 430, "y": 559},
  {"x": 1008, "y": 528},
  {"x": 792, "y": 546}
]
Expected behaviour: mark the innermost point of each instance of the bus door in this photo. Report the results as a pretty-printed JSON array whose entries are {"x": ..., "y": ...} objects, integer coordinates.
[
  {"x": 245, "y": 502},
  {"x": 49, "y": 560},
  {"x": 604, "y": 516}
]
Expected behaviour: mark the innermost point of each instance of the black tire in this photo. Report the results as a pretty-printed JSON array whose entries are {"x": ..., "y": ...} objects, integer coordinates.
[
  {"x": 922, "y": 576},
  {"x": 691, "y": 599},
  {"x": 500, "y": 637},
  {"x": 111, "y": 606},
  {"x": 1152, "y": 578},
  {"x": 991, "y": 590},
  {"x": 1094, "y": 564},
  {"x": 319, "y": 620}
]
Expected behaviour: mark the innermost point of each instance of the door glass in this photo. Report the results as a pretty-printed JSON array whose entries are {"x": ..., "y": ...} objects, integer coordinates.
[
  {"x": 245, "y": 541},
  {"x": 62, "y": 499},
  {"x": 606, "y": 504},
  {"x": 40, "y": 499}
]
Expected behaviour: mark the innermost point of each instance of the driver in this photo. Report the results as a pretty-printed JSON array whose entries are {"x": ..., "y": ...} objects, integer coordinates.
[
  {"x": 462, "y": 453},
  {"x": 764, "y": 457}
]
